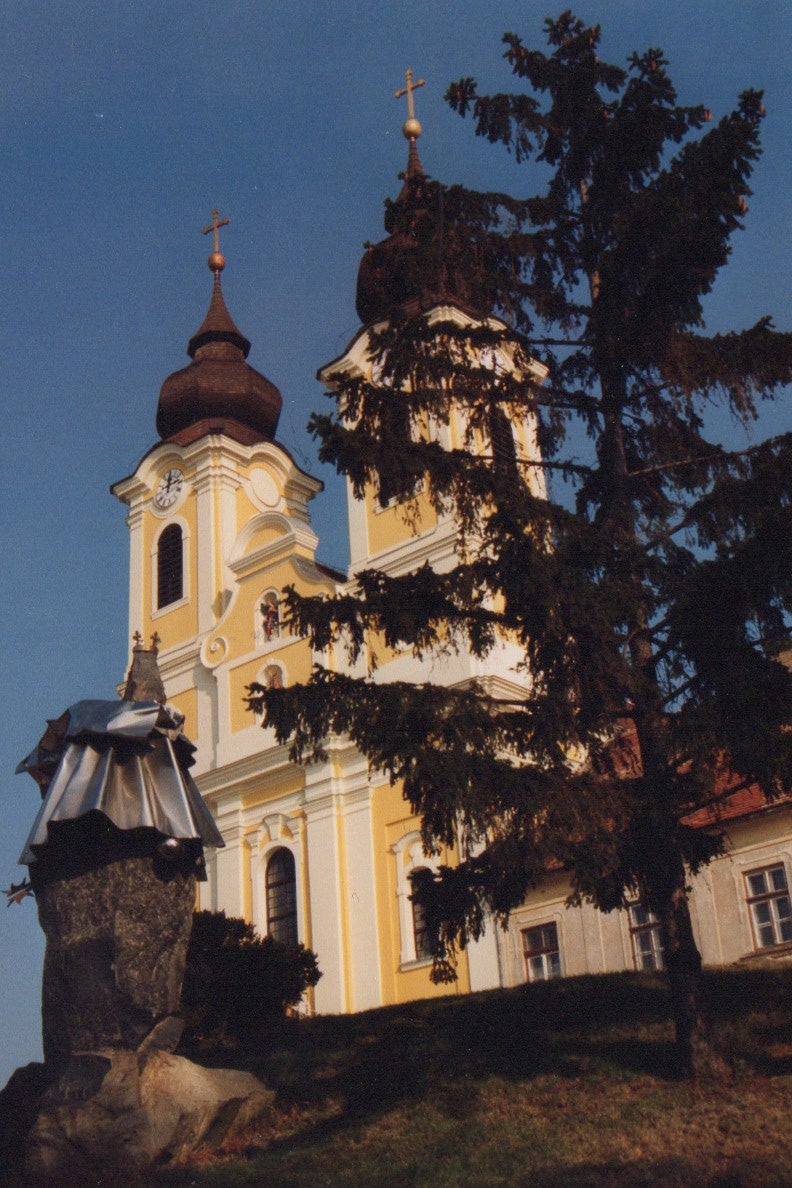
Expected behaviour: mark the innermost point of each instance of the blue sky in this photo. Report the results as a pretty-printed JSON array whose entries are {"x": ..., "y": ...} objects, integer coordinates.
[{"x": 122, "y": 125}]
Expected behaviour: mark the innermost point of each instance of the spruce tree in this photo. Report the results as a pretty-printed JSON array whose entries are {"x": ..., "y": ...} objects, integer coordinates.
[{"x": 650, "y": 595}]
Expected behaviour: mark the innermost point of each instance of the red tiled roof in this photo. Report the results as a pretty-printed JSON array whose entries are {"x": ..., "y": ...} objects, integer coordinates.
[
  {"x": 744, "y": 802},
  {"x": 740, "y": 804}
]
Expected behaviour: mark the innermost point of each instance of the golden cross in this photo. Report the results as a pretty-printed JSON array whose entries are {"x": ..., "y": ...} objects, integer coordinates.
[
  {"x": 408, "y": 91},
  {"x": 215, "y": 226}
]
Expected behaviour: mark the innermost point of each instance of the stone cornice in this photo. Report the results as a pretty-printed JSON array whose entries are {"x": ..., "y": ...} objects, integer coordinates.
[
  {"x": 436, "y": 544},
  {"x": 178, "y": 660},
  {"x": 295, "y": 537},
  {"x": 231, "y": 776},
  {"x": 356, "y": 360},
  {"x": 217, "y": 450}
]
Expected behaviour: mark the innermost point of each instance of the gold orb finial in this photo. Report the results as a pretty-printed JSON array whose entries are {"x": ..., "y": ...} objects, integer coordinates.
[{"x": 216, "y": 260}]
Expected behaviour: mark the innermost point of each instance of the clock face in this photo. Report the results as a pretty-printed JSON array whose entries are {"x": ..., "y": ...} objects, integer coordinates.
[{"x": 169, "y": 488}]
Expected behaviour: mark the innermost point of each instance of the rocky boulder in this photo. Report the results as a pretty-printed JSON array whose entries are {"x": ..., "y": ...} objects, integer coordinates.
[{"x": 120, "y": 1112}]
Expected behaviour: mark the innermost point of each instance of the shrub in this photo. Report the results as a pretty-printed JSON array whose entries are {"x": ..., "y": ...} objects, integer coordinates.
[{"x": 236, "y": 982}]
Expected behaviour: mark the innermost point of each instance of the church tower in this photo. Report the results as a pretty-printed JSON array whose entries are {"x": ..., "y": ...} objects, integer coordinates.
[
  {"x": 218, "y": 522},
  {"x": 217, "y": 512},
  {"x": 398, "y": 277}
]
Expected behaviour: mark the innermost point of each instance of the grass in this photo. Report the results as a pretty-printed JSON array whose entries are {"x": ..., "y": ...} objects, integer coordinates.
[{"x": 569, "y": 1084}]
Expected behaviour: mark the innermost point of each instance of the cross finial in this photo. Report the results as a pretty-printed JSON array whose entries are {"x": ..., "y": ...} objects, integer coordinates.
[
  {"x": 138, "y": 639},
  {"x": 215, "y": 226},
  {"x": 412, "y": 128}
]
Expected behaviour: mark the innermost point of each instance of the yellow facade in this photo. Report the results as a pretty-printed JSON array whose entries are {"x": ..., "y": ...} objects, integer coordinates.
[
  {"x": 240, "y": 512},
  {"x": 392, "y": 821},
  {"x": 242, "y": 516}
]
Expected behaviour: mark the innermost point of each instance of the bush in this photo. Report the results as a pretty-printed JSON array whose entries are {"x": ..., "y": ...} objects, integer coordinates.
[{"x": 236, "y": 982}]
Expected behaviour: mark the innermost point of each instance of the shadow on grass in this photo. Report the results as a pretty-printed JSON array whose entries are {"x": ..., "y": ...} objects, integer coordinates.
[
  {"x": 370, "y": 1062},
  {"x": 289, "y": 1164},
  {"x": 666, "y": 1173},
  {"x": 338, "y": 1071}
]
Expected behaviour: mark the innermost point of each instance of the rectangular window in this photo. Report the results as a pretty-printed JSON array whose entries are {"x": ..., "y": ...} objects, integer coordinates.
[
  {"x": 646, "y": 938},
  {"x": 768, "y": 901},
  {"x": 542, "y": 954},
  {"x": 387, "y": 498}
]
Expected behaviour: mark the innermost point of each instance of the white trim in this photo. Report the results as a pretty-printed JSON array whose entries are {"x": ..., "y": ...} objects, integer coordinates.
[
  {"x": 135, "y": 521},
  {"x": 542, "y": 921},
  {"x": 276, "y": 832},
  {"x": 410, "y": 856},
  {"x": 755, "y": 857},
  {"x": 291, "y": 537}
]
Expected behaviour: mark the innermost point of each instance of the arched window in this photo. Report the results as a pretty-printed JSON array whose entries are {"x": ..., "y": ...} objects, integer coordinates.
[
  {"x": 170, "y": 555},
  {"x": 417, "y": 942},
  {"x": 282, "y": 898},
  {"x": 421, "y": 935}
]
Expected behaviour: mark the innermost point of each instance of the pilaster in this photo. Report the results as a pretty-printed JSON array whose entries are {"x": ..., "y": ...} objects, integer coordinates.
[
  {"x": 324, "y": 860},
  {"x": 205, "y": 544},
  {"x": 361, "y": 901},
  {"x": 136, "y": 576},
  {"x": 229, "y": 870}
]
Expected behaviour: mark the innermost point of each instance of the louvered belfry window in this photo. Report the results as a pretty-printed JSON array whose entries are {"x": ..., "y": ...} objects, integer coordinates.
[
  {"x": 504, "y": 453},
  {"x": 170, "y": 585}
]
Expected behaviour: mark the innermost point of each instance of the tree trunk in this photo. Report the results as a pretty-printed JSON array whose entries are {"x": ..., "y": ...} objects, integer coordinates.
[
  {"x": 664, "y": 876},
  {"x": 697, "y": 1056}
]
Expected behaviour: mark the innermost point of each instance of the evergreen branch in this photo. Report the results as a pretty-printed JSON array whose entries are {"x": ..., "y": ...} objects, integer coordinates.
[
  {"x": 645, "y": 661},
  {"x": 732, "y": 789},
  {"x": 719, "y": 456},
  {"x": 562, "y": 342}
]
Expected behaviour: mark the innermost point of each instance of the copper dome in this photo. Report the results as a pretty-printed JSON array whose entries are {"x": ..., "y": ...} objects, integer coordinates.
[
  {"x": 418, "y": 265},
  {"x": 219, "y": 387}
]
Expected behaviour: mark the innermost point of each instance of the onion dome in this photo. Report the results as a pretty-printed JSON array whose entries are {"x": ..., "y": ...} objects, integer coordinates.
[
  {"x": 413, "y": 268},
  {"x": 218, "y": 391}
]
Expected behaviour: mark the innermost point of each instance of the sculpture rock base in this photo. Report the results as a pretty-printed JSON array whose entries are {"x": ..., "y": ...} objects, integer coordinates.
[
  {"x": 117, "y": 921},
  {"x": 116, "y": 1111}
]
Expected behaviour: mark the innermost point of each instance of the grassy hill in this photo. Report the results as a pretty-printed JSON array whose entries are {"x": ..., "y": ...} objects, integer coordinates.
[{"x": 570, "y": 1084}]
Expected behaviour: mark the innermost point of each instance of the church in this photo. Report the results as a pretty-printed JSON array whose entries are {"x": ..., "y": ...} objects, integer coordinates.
[{"x": 219, "y": 524}]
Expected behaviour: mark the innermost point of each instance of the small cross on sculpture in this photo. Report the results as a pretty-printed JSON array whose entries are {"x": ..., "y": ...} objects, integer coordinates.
[{"x": 137, "y": 640}]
